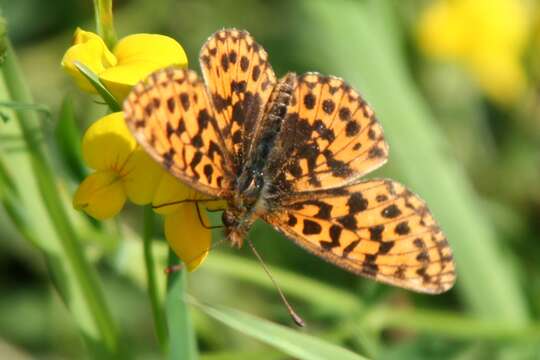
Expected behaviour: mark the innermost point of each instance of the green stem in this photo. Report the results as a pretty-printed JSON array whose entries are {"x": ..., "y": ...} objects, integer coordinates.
[
  {"x": 160, "y": 322},
  {"x": 9, "y": 197},
  {"x": 103, "y": 10},
  {"x": 87, "y": 279},
  {"x": 181, "y": 331}
]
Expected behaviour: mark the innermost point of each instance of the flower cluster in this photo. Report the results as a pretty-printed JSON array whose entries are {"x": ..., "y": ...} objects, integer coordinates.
[
  {"x": 122, "y": 169},
  {"x": 488, "y": 37}
]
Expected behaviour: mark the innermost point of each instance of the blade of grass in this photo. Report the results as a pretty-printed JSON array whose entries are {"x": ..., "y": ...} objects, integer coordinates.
[
  {"x": 450, "y": 325},
  {"x": 68, "y": 140},
  {"x": 42, "y": 109},
  {"x": 160, "y": 323},
  {"x": 293, "y": 343},
  {"x": 182, "y": 338},
  {"x": 72, "y": 275},
  {"x": 377, "y": 319},
  {"x": 361, "y": 50},
  {"x": 328, "y": 297},
  {"x": 11, "y": 201},
  {"x": 234, "y": 355},
  {"x": 100, "y": 88}
]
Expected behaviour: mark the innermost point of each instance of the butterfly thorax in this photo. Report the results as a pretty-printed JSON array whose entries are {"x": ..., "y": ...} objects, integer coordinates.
[{"x": 250, "y": 200}]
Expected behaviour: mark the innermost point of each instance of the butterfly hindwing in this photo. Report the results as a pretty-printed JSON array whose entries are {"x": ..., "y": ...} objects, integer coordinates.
[
  {"x": 240, "y": 80},
  {"x": 170, "y": 116},
  {"x": 330, "y": 136},
  {"x": 375, "y": 228}
]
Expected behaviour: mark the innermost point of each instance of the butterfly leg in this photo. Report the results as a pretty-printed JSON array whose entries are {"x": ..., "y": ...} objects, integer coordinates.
[
  {"x": 209, "y": 227},
  {"x": 196, "y": 201}
]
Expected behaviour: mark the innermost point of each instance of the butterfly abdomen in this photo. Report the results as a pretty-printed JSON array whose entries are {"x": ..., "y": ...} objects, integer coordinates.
[{"x": 252, "y": 179}]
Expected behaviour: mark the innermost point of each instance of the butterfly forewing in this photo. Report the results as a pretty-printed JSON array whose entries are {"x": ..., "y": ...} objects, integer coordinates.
[
  {"x": 171, "y": 117},
  {"x": 374, "y": 228},
  {"x": 330, "y": 136},
  {"x": 240, "y": 81}
]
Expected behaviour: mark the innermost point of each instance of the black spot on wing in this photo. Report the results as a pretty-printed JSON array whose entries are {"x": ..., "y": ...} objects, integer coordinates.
[{"x": 311, "y": 227}]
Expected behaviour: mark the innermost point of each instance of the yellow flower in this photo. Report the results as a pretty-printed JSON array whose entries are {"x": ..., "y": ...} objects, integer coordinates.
[
  {"x": 488, "y": 37},
  {"x": 133, "y": 58},
  {"x": 185, "y": 225},
  {"x": 123, "y": 170},
  {"x": 89, "y": 49}
]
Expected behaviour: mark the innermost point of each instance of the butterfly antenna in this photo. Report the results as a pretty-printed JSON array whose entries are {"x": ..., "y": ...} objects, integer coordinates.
[
  {"x": 177, "y": 267},
  {"x": 294, "y": 316}
]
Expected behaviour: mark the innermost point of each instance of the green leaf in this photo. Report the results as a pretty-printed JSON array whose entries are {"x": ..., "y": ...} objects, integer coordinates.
[
  {"x": 3, "y": 39},
  {"x": 7, "y": 184},
  {"x": 11, "y": 201},
  {"x": 44, "y": 110},
  {"x": 293, "y": 343},
  {"x": 328, "y": 297},
  {"x": 160, "y": 324},
  {"x": 100, "y": 88},
  {"x": 68, "y": 140},
  {"x": 182, "y": 338},
  {"x": 451, "y": 325},
  {"x": 235, "y": 355}
]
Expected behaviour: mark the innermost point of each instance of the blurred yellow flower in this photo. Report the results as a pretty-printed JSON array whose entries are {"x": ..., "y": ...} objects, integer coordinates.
[
  {"x": 123, "y": 170},
  {"x": 133, "y": 58},
  {"x": 488, "y": 37}
]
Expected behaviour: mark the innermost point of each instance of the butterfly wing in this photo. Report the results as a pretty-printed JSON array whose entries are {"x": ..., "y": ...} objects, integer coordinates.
[
  {"x": 171, "y": 117},
  {"x": 330, "y": 137},
  {"x": 375, "y": 228},
  {"x": 240, "y": 81}
]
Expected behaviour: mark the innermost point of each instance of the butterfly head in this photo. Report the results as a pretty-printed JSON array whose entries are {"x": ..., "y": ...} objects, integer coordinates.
[{"x": 235, "y": 226}]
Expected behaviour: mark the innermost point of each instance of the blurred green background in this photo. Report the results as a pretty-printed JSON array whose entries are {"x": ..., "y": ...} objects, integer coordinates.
[{"x": 456, "y": 88}]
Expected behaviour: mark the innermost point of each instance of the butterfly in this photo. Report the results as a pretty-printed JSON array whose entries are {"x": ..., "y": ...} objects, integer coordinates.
[{"x": 292, "y": 152}]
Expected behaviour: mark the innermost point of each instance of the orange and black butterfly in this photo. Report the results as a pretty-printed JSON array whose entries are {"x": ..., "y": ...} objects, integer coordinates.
[{"x": 292, "y": 152}]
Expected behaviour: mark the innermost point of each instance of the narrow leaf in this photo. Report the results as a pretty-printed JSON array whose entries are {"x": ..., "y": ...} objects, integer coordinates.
[
  {"x": 182, "y": 336},
  {"x": 293, "y": 343},
  {"x": 68, "y": 140},
  {"x": 100, "y": 88}
]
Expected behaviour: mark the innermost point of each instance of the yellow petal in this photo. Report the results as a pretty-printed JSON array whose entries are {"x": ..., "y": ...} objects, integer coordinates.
[
  {"x": 89, "y": 49},
  {"x": 107, "y": 143},
  {"x": 100, "y": 195},
  {"x": 215, "y": 205},
  {"x": 186, "y": 236},
  {"x": 169, "y": 191},
  {"x": 141, "y": 175},
  {"x": 139, "y": 55}
]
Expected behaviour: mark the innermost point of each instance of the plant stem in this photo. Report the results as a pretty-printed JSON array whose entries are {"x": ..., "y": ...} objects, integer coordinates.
[
  {"x": 104, "y": 21},
  {"x": 160, "y": 322},
  {"x": 181, "y": 331},
  {"x": 77, "y": 262}
]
